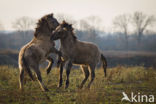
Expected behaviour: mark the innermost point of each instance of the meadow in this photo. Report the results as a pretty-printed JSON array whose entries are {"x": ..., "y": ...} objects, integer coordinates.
[{"x": 104, "y": 90}]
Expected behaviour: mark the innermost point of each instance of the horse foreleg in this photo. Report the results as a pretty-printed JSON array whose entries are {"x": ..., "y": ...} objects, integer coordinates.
[
  {"x": 69, "y": 66},
  {"x": 86, "y": 75},
  {"x": 54, "y": 50},
  {"x": 60, "y": 76},
  {"x": 50, "y": 60},
  {"x": 59, "y": 61}
]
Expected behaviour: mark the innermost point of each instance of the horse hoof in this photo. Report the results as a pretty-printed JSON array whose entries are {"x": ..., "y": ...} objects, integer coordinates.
[
  {"x": 60, "y": 85},
  {"x": 79, "y": 87},
  {"x": 45, "y": 90},
  {"x": 66, "y": 86},
  {"x": 21, "y": 90},
  {"x": 88, "y": 87}
]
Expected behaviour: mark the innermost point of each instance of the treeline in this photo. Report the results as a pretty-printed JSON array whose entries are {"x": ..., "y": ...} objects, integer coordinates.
[
  {"x": 14, "y": 40},
  {"x": 117, "y": 42},
  {"x": 130, "y": 32},
  {"x": 106, "y": 41},
  {"x": 113, "y": 46},
  {"x": 122, "y": 46}
]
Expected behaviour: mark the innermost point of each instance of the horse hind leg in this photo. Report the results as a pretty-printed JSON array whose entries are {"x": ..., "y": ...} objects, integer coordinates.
[
  {"x": 69, "y": 66},
  {"x": 21, "y": 78},
  {"x": 92, "y": 71},
  {"x": 50, "y": 60},
  {"x": 39, "y": 78},
  {"x": 86, "y": 75}
]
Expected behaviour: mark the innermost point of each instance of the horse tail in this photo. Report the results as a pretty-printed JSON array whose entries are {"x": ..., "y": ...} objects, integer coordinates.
[
  {"x": 23, "y": 63},
  {"x": 104, "y": 62},
  {"x": 27, "y": 68}
]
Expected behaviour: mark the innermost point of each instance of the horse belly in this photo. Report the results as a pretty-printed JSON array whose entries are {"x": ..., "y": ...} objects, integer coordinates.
[
  {"x": 81, "y": 61},
  {"x": 86, "y": 58},
  {"x": 40, "y": 54},
  {"x": 44, "y": 56},
  {"x": 43, "y": 60}
]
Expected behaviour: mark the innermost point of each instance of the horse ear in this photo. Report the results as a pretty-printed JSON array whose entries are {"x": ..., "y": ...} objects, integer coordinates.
[
  {"x": 70, "y": 25},
  {"x": 52, "y": 14},
  {"x": 35, "y": 34},
  {"x": 63, "y": 22},
  {"x": 45, "y": 18}
]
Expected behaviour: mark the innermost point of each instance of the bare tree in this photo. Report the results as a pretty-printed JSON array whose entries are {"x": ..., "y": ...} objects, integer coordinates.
[
  {"x": 94, "y": 22},
  {"x": 141, "y": 22},
  {"x": 92, "y": 25},
  {"x": 84, "y": 25},
  {"x": 90, "y": 30},
  {"x": 121, "y": 23},
  {"x": 23, "y": 24}
]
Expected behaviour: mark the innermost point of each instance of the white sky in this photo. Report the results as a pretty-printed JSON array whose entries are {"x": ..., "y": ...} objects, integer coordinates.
[{"x": 78, "y": 9}]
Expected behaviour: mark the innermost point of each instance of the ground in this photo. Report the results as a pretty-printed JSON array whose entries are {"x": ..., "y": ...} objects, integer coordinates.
[{"x": 103, "y": 90}]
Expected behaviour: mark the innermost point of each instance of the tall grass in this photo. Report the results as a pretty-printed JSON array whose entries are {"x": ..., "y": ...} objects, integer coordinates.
[{"x": 103, "y": 90}]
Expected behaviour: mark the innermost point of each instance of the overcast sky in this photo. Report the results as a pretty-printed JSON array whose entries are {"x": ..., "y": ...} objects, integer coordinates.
[{"x": 78, "y": 9}]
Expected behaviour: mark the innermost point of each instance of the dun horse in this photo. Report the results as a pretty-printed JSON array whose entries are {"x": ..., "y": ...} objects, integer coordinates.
[
  {"x": 77, "y": 52},
  {"x": 37, "y": 50}
]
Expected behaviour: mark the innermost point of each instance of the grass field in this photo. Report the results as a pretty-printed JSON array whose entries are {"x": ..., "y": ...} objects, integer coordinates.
[{"x": 103, "y": 90}]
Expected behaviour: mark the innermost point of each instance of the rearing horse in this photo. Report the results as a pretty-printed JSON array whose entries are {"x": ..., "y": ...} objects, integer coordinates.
[
  {"x": 77, "y": 52},
  {"x": 38, "y": 50}
]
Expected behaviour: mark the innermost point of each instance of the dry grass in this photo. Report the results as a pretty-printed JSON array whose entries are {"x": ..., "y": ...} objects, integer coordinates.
[{"x": 103, "y": 90}]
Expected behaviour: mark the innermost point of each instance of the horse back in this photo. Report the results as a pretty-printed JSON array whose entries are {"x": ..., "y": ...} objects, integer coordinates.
[{"x": 83, "y": 53}]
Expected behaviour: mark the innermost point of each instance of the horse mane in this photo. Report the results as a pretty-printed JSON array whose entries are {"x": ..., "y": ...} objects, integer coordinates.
[
  {"x": 41, "y": 24},
  {"x": 69, "y": 28}
]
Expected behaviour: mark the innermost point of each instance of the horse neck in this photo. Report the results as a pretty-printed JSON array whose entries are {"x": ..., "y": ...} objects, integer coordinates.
[
  {"x": 68, "y": 42},
  {"x": 43, "y": 36}
]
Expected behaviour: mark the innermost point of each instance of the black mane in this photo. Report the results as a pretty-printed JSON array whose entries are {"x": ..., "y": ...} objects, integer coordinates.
[{"x": 69, "y": 28}]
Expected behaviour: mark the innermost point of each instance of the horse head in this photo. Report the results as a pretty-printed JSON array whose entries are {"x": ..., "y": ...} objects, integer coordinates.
[
  {"x": 46, "y": 25},
  {"x": 62, "y": 31}
]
